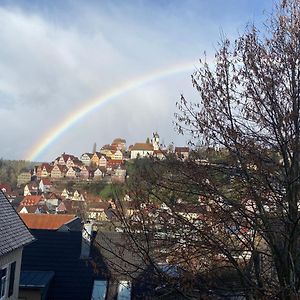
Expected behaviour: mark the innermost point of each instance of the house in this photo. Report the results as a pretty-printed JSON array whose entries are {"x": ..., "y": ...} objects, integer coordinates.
[
  {"x": 62, "y": 160},
  {"x": 160, "y": 154},
  {"x": 120, "y": 256},
  {"x": 73, "y": 172},
  {"x": 65, "y": 193},
  {"x": 119, "y": 143},
  {"x": 53, "y": 199},
  {"x": 45, "y": 185},
  {"x": 97, "y": 211},
  {"x": 84, "y": 173},
  {"x": 43, "y": 170},
  {"x": 182, "y": 152},
  {"x": 52, "y": 222},
  {"x": 46, "y": 171},
  {"x": 117, "y": 155},
  {"x": 85, "y": 158},
  {"x": 103, "y": 161},
  {"x": 95, "y": 158},
  {"x": 32, "y": 200},
  {"x": 71, "y": 207},
  {"x": 14, "y": 236},
  {"x": 58, "y": 172},
  {"x": 108, "y": 149},
  {"x": 119, "y": 175},
  {"x": 98, "y": 175},
  {"x": 23, "y": 178},
  {"x": 114, "y": 164},
  {"x": 141, "y": 150},
  {"x": 64, "y": 207},
  {"x": 56, "y": 266},
  {"x": 31, "y": 189},
  {"x": 31, "y": 209}
]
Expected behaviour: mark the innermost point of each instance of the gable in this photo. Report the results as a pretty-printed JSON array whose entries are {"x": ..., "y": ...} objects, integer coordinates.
[{"x": 14, "y": 233}]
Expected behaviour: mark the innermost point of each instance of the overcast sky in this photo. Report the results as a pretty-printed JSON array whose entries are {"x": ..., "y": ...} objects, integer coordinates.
[{"x": 55, "y": 56}]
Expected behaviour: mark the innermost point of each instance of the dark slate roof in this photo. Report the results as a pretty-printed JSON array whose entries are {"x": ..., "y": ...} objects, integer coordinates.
[
  {"x": 14, "y": 233},
  {"x": 35, "y": 279},
  {"x": 60, "y": 252},
  {"x": 119, "y": 254}
]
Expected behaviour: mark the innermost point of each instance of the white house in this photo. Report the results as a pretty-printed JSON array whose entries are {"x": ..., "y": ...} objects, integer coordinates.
[
  {"x": 11, "y": 249},
  {"x": 86, "y": 158},
  {"x": 141, "y": 150},
  {"x": 45, "y": 185}
]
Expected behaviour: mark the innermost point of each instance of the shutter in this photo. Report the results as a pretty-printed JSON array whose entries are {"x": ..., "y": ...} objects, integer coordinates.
[{"x": 12, "y": 279}]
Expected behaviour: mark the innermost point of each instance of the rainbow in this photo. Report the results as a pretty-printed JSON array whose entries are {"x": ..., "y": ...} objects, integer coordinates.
[{"x": 95, "y": 103}]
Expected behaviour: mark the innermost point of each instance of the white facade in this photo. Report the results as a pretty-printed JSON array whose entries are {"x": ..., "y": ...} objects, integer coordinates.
[
  {"x": 140, "y": 153},
  {"x": 10, "y": 266},
  {"x": 85, "y": 159}
]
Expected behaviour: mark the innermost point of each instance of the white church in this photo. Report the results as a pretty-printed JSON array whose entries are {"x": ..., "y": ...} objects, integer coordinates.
[{"x": 145, "y": 149}]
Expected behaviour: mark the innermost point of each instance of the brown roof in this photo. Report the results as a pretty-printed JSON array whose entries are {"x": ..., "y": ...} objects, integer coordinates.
[
  {"x": 53, "y": 196},
  {"x": 67, "y": 156},
  {"x": 47, "y": 167},
  {"x": 46, "y": 181},
  {"x": 118, "y": 140},
  {"x": 5, "y": 187},
  {"x": 30, "y": 208},
  {"x": 98, "y": 205},
  {"x": 142, "y": 146},
  {"x": 90, "y": 155},
  {"x": 62, "y": 169},
  {"x": 46, "y": 221},
  {"x": 181, "y": 149}
]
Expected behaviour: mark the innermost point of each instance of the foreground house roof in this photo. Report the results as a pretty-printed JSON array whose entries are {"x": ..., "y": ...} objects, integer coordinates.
[
  {"x": 14, "y": 234},
  {"x": 60, "y": 252},
  {"x": 46, "y": 221}
]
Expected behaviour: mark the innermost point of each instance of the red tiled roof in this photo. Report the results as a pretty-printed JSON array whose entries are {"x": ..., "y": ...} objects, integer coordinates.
[
  {"x": 46, "y": 221},
  {"x": 114, "y": 162},
  {"x": 31, "y": 200},
  {"x": 142, "y": 146}
]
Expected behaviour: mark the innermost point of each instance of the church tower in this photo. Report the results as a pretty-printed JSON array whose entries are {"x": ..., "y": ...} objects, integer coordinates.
[{"x": 155, "y": 141}]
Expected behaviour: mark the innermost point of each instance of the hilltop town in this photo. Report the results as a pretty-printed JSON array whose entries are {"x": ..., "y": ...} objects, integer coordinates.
[{"x": 73, "y": 185}]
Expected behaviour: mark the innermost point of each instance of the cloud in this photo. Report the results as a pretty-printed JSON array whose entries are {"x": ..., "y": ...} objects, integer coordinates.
[{"x": 51, "y": 62}]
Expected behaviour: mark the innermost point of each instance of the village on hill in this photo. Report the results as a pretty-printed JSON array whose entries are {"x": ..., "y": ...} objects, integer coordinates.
[{"x": 62, "y": 185}]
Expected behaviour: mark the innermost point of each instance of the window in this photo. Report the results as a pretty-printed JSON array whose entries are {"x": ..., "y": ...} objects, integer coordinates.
[
  {"x": 3, "y": 282},
  {"x": 99, "y": 290},
  {"x": 11, "y": 278},
  {"x": 124, "y": 290}
]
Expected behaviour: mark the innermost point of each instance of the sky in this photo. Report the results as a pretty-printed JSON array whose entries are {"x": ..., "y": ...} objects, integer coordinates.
[{"x": 57, "y": 57}]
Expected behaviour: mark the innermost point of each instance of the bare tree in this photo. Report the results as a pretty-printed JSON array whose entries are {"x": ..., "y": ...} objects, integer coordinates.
[{"x": 231, "y": 221}]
